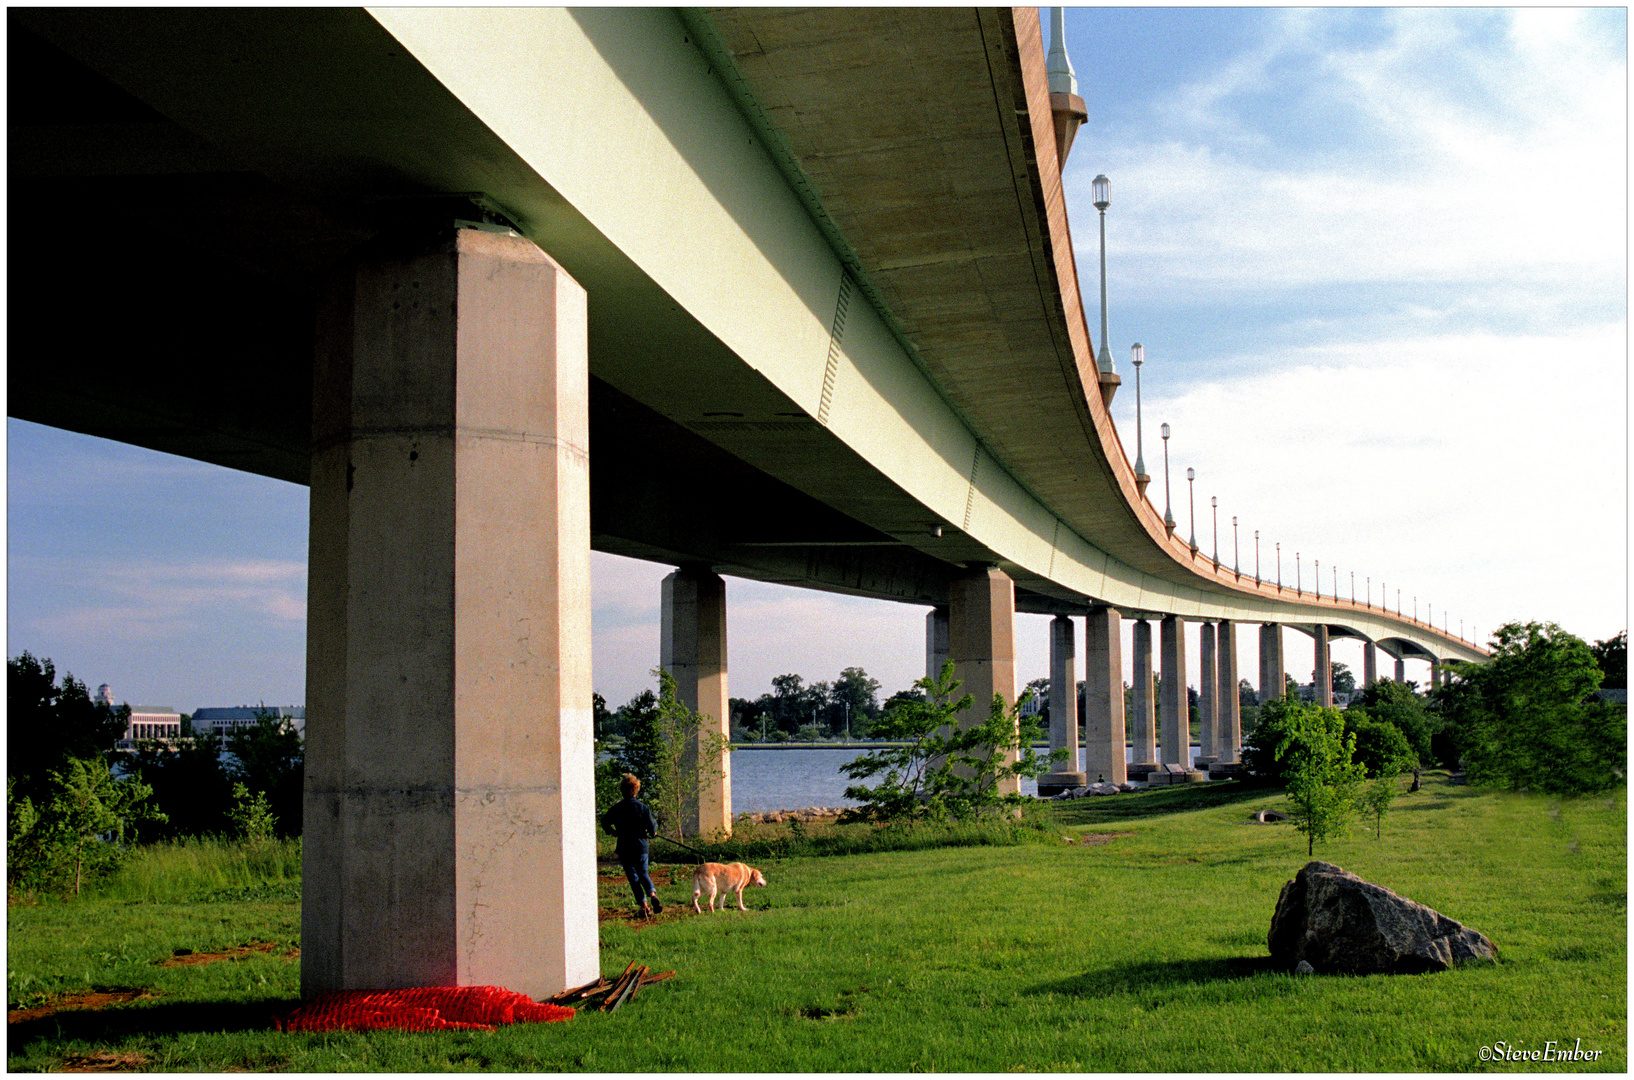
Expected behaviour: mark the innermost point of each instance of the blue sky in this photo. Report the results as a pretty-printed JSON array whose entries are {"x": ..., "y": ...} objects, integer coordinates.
[{"x": 1376, "y": 257}]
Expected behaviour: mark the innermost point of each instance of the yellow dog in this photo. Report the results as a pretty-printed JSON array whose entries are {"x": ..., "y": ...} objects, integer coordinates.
[{"x": 722, "y": 878}]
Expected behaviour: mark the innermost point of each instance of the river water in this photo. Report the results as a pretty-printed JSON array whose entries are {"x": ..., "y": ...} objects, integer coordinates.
[{"x": 774, "y": 779}]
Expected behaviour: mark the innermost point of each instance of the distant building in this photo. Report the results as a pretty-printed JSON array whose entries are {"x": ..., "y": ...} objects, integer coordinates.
[
  {"x": 222, "y": 722},
  {"x": 148, "y": 723}
]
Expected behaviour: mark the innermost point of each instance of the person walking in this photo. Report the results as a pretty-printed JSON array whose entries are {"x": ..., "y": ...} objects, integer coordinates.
[{"x": 633, "y": 823}]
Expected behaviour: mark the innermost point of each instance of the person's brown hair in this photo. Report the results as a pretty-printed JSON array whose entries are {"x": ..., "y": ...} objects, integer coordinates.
[{"x": 629, "y": 784}]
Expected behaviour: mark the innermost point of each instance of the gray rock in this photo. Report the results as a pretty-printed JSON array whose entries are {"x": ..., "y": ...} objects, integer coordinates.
[
  {"x": 1342, "y": 925},
  {"x": 1304, "y": 968}
]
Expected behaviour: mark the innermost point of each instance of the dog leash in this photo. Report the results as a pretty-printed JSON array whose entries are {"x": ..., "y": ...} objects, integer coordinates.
[{"x": 689, "y": 847}]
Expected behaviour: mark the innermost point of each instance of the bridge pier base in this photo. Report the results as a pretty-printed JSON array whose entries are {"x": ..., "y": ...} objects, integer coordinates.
[
  {"x": 936, "y": 645},
  {"x": 1228, "y": 727},
  {"x": 449, "y": 801},
  {"x": 982, "y": 644},
  {"x": 1143, "y": 734},
  {"x": 1104, "y": 755},
  {"x": 692, "y": 648},
  {"x": 1324, "y": 668},
  {"x": 1174, "y": 711},
  {"x": 1401, "y": 670},
  {"x": 1063, "y": 709},
  {"x": 1370, "y": 663},
  {"x": 1273, "y": 672},
  {"x": 1208, "y": 689}
]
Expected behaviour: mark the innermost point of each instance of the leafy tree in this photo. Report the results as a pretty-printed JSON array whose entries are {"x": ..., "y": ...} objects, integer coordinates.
[
  {"x": 1344, "y": 682},
  {"x": 1290, "y": 688},
  {"x": 945, "y": 769},
  {"x": 1612, "y": 656},
  {"x": 663, "y": 750},
  {"x": 251, "y": 816},
  {"x": 639, "y": 719},
  {"x": 1318, "y": 770},
  {"x": 1527, "y": 717},
  {"x": 190, "y": 785},
  {"x": 48, "y": 724},
  {"x": 269, "y": 757},
  {"x": 79, "y": 833},
  {"x": 601, "y": 717},
  {"x": 1396, "y": 704},
  {"x": 1381, "y": 748},
  {"x": 1376, "y": 798},
  {"x": 1247, "y": 696}
]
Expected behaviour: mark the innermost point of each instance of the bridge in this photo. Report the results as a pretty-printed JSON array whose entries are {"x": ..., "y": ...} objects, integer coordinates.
[{"x": 782, "y": 294}]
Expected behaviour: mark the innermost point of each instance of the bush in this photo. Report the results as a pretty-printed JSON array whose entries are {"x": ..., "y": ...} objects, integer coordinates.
[
  {"x": 1396, "y": 704},
  {"x": 1381, "y": 748}
]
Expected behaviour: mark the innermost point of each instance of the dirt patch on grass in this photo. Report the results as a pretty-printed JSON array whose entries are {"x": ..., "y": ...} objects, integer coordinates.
[
  {"x": 189, "y": 958},
  {"x": 103, "y": 1061},
  {"x": 88, "y": 999},
  {"x": 1097, "y": 839}
]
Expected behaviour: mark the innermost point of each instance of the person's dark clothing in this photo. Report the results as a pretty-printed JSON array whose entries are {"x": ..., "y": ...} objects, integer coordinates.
[{"x": 632, "y": 822}]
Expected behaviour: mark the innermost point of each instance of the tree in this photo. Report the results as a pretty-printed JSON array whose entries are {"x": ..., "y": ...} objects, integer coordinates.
[
  {"x": 1381, "y": 748},
  {"x": 48, "y": 724},
  {"x": 190, "y": 785},
  {"x": 1396, "y": 704},
  {"x": 1612, "y": 657},
  {"x": 1321, "y": 777},
  {"x": 1528, "y": 718},
  {"x": 1376, "y": 798},
  {"x": 79, "y": 833},
  {"x": 269, "y": 757},
  {"x": 1247, "y": 696},
  {"x": 945, "y": 769},
  {"x": 663, "y": 751},
  {"x": 1343, "y": 681},
  {"x": 857, "y": 696}
]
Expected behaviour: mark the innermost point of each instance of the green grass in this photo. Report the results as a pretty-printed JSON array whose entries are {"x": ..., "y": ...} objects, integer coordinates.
[{"x": 1142, "y": 953}]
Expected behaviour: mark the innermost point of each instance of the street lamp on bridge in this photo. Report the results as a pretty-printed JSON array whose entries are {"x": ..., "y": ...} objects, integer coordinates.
[
  {"x": 1141, "y": 479},
  {"x": 1168, "y": 511},
  {"x": 1318, "y": 563},
  {"x": 1191, "y": 487},
  {"x": 1299, "y": 576},
  {"x": 1279, "y": 566},
  {"x": 1236, "y": 551},
  {"x": 1103, "y": 199},
  {"x": 1214, "y": 501},
  {"x": 1256, "y": 556}
]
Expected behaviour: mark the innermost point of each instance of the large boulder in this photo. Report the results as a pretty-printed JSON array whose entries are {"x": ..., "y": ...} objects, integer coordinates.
[{"x": 1342, "y": 925}]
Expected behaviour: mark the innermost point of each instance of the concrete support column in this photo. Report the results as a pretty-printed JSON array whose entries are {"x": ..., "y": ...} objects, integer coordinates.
[
  {"x": 1435, "y": 674},
  {"x": 1324, "y": 668},
  {"x": 449, "y": 798},
  {"x": 1401, "y": 671},
  {"x": 1063, "y": 708},
  {"x": 1207, "y": 699},
  {"x": 1370, "y": 664},
  {"x": 1174, "y": 721},
  {"x": 1143, "y": 727},
  {"x": 1273, "y": 672},
  {"x": 1228, "y": 702},
  {"x": 936, "y": 646},
  {"x": 981, "y": 642},
  {"x": 692, "y": 648},
  {"x": 1103, "y": 675}
]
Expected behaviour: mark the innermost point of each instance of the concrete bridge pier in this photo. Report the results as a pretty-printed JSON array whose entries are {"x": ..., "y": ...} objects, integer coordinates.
[
  {"x": 1401, "y": 670},
  {"x": 1174, "y": 720},
  {"x": 1143, "y": 728},
  {"x": 692, "y": 648},
  {"x": 1370, "y": 663},
  {"x": 936, "y": 642},
  {"x": 981, "y": 642},
  {"x": 1435, "y": 674},
  {"x": 449, "y": 799},
  {"x": 1323, "y": 674},
  {"x": 1208, "y": 687},
  {"x": 1228, "y": 704},
  {"x": 1063, "y": 708},
  {"x": 1273, "y": 672},
  {"x": 1104, "y": 757}
]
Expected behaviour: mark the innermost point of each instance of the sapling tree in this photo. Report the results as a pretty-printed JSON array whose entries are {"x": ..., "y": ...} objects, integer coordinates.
[
  {"x": 665, "y": 747},
  {"x": 942, "y": 768},
  {"x": 1375, "y": 799},
  {"x": 1318, "y": 771}
]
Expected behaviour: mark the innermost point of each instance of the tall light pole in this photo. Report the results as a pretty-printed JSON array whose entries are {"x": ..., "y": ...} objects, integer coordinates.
[
  {"x": 1318, "y": 563},
  {"x": 1191, "y": 485},
  {"x": 1353, "y": 588},
  {"x": 1279, "y": 566},
  {"x": 1214, "y": 501},
  {"x": 1299, "y": 576},
  {"x": 1370, "y": 592},
  {"x": 1336, "y": 583},
  {"x": 1256, "y": 556},
  {"x": 1236, "y": 550},
  {"x": 1168, "y": 512},
  {"x": 1103, "y": 199},
  {"x": 1141, "y": 479}
]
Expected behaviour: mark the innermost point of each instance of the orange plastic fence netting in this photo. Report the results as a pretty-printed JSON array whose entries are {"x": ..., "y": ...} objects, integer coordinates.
[{"x": 424, "y": 1008}]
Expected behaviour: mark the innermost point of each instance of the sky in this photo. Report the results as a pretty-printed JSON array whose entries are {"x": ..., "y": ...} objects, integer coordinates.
[{"x": 1377, "y": 260}]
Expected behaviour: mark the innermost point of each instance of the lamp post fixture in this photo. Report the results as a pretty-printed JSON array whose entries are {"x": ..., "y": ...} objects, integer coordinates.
[
  {"x": 1214, "y": 501},
  {"x": 1103, "y": 199},
  {"x": 1279, "y": 566},
  {"x": 1370, "y": 592},
  {"x": 1256, "y": 556},
  {"x": 1335, "y": 593},
  {"x": 1353, "y": 588},
  {"x": 1191, "y": 487},
  {"x": 1236, "y": 551},
  {"x": 1299, "y": 576},
  {"x": 1318, "y": 563},
  {"x": 1398, "y": 603},
  {"x": 1168, "y": 512},
  {"x": 1141, "y": 479}
]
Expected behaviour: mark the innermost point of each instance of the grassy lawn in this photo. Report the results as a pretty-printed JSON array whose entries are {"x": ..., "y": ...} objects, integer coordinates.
[{"x": 1132, "y": 939}]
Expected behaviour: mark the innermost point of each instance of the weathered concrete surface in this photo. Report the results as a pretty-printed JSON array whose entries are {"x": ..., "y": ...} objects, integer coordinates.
[
  {"x": 1272, "y": 668},
  {"x": 1063, "y": 705},
  {"x": 692, "y": 648},
  {"x": 1143, "y": 725},
  {"x": 449, "y": 799},
  {"x": 1229, "y": 705},
  {"x": 1104, "y": 742},
  {"x": 1174, "y": 712},
  {"x": 982, "y": 644},
  {"x": 1342, "y": 925}
]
